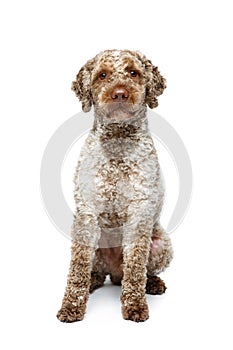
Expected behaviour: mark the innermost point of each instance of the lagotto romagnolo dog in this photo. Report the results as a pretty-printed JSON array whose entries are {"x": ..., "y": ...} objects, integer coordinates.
[{"x": 118, "y": 188}]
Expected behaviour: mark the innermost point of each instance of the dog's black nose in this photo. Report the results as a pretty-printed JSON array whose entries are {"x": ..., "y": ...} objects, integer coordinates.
[{"x": 119, "y": 93}]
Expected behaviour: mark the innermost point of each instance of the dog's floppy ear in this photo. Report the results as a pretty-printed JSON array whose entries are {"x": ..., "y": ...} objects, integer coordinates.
[
  {"x": 155, "y": 83},
  {"x": 82, "y": 86}
]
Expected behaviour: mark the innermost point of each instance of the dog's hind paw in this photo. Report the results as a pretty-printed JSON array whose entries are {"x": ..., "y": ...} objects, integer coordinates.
[{"x": 155, "y": 285}]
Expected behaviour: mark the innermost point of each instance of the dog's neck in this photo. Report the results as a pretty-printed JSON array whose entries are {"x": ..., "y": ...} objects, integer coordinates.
[{"x": 132, "y": 128}]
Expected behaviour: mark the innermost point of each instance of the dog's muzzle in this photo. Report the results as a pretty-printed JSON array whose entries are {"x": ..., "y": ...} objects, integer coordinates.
[{"x": 116, "y": 112}]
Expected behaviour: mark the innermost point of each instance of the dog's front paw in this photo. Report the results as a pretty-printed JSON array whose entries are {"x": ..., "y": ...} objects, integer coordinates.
[
  {"x": 136, "y": 313},
  {"x": 70, "y": 313}
]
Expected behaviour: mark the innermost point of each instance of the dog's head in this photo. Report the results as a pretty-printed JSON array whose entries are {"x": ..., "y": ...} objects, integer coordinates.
[{"x": 118, "y": 79}]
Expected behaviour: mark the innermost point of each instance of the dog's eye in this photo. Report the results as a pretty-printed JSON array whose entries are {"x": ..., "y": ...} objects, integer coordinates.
[
  {"x": 102, "y": 75},
  {"x": 133, "y": 73}
]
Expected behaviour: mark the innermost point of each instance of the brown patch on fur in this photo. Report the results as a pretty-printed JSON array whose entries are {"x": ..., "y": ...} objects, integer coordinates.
[
  {"x": 97, "y": 280},
  {"x": 113, "y": 219},
  {"x": 119, "y": 131}
]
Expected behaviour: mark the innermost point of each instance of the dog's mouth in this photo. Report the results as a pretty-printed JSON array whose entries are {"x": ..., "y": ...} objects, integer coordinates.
[{"x": 119, "y": 111}]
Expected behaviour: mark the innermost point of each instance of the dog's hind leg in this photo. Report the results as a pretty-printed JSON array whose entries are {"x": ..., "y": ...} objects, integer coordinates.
[
  {"x": 98, "y": 273},
  {"x": 160, "y": 256}
]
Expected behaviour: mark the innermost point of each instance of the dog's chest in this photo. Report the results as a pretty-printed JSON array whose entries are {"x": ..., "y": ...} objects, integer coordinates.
[{"x": 116, "y": 174}]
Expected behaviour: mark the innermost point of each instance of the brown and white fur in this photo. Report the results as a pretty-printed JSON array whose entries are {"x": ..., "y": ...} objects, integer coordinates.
[{"x": 118, "y": 188}]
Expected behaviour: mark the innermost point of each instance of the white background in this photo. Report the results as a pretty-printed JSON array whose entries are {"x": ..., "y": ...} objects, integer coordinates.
[{"x": 43, "y": 45}]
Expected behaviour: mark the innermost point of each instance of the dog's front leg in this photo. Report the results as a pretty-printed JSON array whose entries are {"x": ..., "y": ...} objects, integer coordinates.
[
  {"x": 134, "y": 304},
  {"x": 78, "y": 284},
  {"x": 85, "y": 238}
]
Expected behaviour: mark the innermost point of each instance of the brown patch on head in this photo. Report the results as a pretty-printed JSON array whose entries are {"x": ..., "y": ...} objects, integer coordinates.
[{"x": 133, "y": 65}]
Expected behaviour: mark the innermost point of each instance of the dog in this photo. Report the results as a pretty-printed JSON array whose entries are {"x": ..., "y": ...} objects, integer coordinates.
[{"x": 118, "y": 188}]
